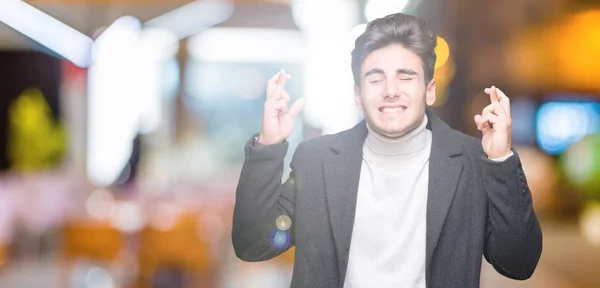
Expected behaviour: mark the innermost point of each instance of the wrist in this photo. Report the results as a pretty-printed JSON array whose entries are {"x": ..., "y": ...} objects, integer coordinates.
[
  {"x": 501, "y": 158},
  {"x": 261, "y": 139}
]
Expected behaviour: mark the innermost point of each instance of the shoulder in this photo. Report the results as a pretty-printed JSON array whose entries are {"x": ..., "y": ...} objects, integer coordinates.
[
  {"x": 319, "y": 146},
  {"x": 324, "y": 142},
  {"x": 471, "y": 146}
]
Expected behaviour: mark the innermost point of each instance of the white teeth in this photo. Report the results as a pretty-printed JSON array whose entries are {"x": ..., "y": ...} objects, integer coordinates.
[{"x": 392, "y": 110}]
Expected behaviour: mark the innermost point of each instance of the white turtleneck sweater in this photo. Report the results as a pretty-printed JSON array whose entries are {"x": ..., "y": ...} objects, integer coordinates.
[{"x": 388, "y": 239}]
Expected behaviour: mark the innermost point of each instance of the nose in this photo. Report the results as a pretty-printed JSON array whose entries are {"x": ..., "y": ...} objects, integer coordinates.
[{"x": 391, "y": 89}]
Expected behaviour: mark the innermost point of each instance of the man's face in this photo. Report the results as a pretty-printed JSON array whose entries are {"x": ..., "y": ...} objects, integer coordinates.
[{"x": 393, "y": 94}]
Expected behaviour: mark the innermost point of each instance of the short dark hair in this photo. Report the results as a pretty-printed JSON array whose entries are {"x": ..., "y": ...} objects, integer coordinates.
[{"x": 409, "y": 31}]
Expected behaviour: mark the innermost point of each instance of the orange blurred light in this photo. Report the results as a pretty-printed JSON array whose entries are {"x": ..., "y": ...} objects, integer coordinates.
[
  {"x": 577, "y": 43},
  {"x": 2, "y": 254},
  {"x": 558, "y": 55}
]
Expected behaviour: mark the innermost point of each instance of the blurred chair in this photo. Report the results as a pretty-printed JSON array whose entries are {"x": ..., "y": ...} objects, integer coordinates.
[
  {"x": 97, "y": 241},
  {"x": 177, "y": 247},
  {"x": 3, "y": 254},
  {"x": 94, "y": 240}
]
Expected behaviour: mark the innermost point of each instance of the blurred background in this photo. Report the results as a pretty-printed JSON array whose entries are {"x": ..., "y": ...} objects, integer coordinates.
[{"x": 122, "y": 125}]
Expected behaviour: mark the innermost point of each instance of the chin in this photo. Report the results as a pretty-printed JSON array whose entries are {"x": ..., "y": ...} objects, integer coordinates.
[
  {"x": 391, "y": 130},
  {"x": 394, "y": 133}
]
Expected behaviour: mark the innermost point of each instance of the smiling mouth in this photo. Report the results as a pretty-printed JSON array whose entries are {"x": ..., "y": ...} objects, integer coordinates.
[{"x": 389, "y": 110}]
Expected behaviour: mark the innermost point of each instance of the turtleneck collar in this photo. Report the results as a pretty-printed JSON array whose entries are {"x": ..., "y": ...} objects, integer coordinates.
[{"x": 409, "y": 143}]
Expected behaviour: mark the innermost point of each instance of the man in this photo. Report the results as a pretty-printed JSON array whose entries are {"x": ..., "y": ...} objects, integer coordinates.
[{"x": 401, "y": 199}]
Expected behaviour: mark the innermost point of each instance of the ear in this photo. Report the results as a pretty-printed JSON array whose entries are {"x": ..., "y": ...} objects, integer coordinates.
[
  {"x": 430, "y": 95},
  {"x": 358, "y": 98}
]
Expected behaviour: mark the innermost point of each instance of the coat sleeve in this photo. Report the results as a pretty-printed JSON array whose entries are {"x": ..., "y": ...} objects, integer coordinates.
[
  {"x": 260, "y": 199},
  {"x": 513, "y": 235}
]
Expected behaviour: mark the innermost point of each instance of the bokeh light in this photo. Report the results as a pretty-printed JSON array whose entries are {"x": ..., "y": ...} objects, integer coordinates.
[
  {"x": 283, "y": 222},
  {"x": 581, "y": 164},
  {"x": 100, "y": 205},
  {"x": 442, "y": 51},
  {"x": 280, "y": 239},
  {"x": 559, "y": 124},
  {"x": 589, "y": 224}
]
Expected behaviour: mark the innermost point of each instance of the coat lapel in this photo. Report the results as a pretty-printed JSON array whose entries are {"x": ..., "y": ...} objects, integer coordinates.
[
  {"x": 445, "y": 169},
  {"x": 342, "y": 173}
]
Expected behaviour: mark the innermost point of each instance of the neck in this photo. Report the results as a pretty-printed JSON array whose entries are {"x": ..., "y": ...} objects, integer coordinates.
[{"x": 409, "y": 143}]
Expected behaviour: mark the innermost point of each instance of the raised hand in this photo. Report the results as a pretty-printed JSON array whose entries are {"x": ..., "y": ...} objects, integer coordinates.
[
  {"x": 495, "y": 125},
  {"x": 278, "y": 120}
]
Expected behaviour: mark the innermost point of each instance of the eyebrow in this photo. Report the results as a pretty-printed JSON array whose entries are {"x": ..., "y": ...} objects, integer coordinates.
[
  {"x": 399, "y": 71},
  {"x": 373, "y": 71},
  {"x": 407, "y": 72}
]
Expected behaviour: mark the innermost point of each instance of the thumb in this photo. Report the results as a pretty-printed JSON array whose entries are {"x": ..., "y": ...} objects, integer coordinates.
[{"x": 296, "y": 108}]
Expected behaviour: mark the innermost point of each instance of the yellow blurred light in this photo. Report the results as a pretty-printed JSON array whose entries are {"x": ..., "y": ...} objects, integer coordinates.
[
  {"x": 590, "y": 224},
  {"x": 36, "y": 140},
  {"x": 442, "y": 51},
  {"x": 443, "y": 76},
  {"x": 577, "y": 53}
]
